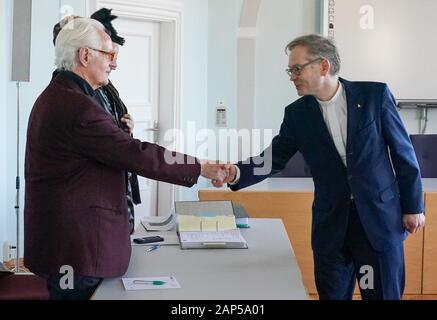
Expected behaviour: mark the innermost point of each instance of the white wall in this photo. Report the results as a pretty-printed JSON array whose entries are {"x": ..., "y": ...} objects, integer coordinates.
[
  {"x": 222, "y": 58},
  {"x": 279, "y": 22},
  {"x": 194, "y": 78},
  {"x": 209, "y": 69},
  {"x": 222, "y": 67}
]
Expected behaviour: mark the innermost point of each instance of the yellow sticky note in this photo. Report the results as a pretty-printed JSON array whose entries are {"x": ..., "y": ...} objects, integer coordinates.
[
  {"x": 226, "y": 223},
  {"x": 189, "y": 223},
  {"x": 209, "y": 224}
]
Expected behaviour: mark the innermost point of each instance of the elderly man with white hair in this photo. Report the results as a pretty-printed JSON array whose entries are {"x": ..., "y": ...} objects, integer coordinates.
[
  {"x": 110, "y": 100},
  {"x": 75, "y": 51},
  {"x": 75, "y": 207}
]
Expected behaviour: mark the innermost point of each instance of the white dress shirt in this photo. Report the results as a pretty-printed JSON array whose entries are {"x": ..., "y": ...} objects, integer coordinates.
[{"x": 334, "y": 113}]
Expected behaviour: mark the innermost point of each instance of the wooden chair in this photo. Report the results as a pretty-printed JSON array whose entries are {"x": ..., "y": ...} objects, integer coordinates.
[{"x": 23, "y": 287}]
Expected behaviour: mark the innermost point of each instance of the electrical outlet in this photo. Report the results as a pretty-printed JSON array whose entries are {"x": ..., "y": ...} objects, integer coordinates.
[{"x": 8, "y": 251}]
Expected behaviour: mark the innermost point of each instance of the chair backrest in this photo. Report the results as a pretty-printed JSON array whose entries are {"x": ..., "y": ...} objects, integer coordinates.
[
  {"x": 23, "y": 287},
  {"x": 295, "y": 168},
  {"x": 425, "y": 146}
]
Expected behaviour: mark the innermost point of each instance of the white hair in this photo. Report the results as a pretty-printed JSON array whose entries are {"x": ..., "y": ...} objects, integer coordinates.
[{"x": 78, "y": 33}]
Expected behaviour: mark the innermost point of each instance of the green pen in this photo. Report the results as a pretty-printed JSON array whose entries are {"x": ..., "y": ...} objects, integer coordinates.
[{"x": 154, "y": 282}]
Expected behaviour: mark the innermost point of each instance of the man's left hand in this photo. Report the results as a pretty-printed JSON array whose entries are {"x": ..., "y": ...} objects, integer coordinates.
[
  {"x": 413, "y": 222},
  {"x": 129, "y": 122}
]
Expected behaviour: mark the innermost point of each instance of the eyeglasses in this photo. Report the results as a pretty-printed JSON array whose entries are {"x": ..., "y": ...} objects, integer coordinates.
[
  {"x": 297, "y": 69},
  {"x": 111, "y": 55}
]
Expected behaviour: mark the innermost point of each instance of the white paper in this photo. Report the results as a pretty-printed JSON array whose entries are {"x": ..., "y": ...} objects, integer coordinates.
[
  {"x": 217, "y": 236},
  {"x": 159, "y": 223},
  {"x": 130, "y": 285}
]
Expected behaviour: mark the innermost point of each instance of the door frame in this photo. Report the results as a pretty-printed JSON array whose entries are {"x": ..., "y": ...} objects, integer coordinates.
[{"x": 169, "y": 13}]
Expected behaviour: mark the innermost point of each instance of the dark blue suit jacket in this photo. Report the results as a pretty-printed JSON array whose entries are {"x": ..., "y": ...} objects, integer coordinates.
[{"x": 382, "y": 172}]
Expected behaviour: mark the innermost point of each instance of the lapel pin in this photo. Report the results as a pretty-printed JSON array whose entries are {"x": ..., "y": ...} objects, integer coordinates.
[{"x": 358, "y": 106}]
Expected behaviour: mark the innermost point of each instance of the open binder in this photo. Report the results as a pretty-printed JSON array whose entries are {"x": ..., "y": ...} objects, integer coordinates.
[{"x": 208, "y": 224}]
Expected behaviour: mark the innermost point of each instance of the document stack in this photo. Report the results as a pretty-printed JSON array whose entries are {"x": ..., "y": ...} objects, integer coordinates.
[
  {"x": 159, "y": 223},
  {"x": 208, "y": 224}
]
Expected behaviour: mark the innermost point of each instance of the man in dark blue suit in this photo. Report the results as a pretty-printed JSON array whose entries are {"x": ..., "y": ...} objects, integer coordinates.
[{"x": 368, "y": 191}]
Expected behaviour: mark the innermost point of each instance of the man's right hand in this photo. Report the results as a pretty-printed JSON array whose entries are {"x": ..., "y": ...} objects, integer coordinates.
[
  {"x": 231, "y": 173},
  {"x": 213, "y": 170}
]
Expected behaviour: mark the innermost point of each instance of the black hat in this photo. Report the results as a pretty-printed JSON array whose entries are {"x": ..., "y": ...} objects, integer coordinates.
[{"x": 105, "y": 17}]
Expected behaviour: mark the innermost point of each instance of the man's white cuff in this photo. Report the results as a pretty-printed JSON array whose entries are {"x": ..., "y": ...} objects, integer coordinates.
[{"x": 237, "y": 177}]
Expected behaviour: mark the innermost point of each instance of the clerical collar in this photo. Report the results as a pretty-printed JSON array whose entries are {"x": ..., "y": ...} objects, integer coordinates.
[{"x": 334, "y": 98}]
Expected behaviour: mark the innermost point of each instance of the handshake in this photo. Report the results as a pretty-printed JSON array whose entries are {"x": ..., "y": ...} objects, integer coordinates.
[{"x": 219, "y": 173}]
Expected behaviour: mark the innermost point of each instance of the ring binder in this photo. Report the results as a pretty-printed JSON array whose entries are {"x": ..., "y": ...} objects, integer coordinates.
[{"x": 208, "y": 225}]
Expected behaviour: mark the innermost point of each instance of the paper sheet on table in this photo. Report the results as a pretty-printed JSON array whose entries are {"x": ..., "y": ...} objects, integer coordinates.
[
  {"x": 130, "y": 285},
  {"x": 217, "y": 236}
]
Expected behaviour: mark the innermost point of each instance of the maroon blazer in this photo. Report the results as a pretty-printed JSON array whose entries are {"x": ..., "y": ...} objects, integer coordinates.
[{"x": 75, "y": 205}]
